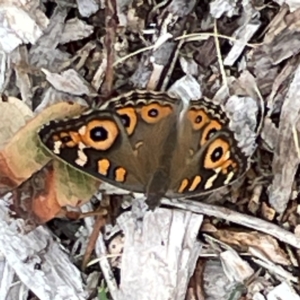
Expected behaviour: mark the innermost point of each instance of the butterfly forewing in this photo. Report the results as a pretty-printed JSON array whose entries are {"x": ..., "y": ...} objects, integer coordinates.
[
  {"x": 95, "y": 143},
  {"x": 150, "y": 119}
]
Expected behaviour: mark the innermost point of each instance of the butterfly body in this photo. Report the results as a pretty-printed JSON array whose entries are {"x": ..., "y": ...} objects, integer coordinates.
[{"x": 149, "y": 142}]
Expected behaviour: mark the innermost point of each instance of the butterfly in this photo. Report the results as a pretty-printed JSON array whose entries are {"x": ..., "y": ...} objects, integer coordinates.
[{"x": 149, "y": 142}]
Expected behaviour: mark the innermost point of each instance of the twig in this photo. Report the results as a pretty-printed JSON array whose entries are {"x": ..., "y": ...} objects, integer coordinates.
[
  {"x": 219, "y": 55},
  {"x": 109, "y": 41},
  {"x": 120, "y": 60},
  {"x": 205, "y": 35},
  {"x": 262, "y": 108},
  {"x": 172, "y": 66},
  {"x": 296, "y": 140},
  {"x": 186, "y": 38},
  {"x": 238, "y": 218},
  {"x": 100, "y": 222},
  {"x": 100, "y": 249}
]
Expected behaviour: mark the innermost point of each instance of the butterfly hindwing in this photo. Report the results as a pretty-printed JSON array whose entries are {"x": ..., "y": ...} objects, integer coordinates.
[{"x": 209, "y": 156}]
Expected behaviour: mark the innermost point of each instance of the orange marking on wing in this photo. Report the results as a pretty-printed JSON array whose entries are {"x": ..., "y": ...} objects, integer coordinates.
[
  {"x": 120, "y": 174},
  {"x": 55, "y": 137},
  {"x": 75, "y": 139},
  {"x": 69, "y": 139},
  {"x": 208, "y": 130},
  {"x": 217, "y": 154},
  {"x": 227, "y": 164},
  {"x": 155, "y": 112},
  {"x": 110, "y": 133},
  {"x": 198, "y": 118},
  {"x": 62, "y": 137},
  {"x": 131, "y": 116},
  {"x": 196, "y": 181},
  {"x": 184, "y": 184},
  {"x": 103, "y": 166}
]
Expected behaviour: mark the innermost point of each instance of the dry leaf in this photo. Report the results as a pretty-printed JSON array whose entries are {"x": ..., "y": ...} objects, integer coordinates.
[
  {"x": 265, "y": 243},
  {"x": 14, "y": 114},
  {"x": 23, "y": 155},
  {"x": 72, "y": 186},
  {"x": 35, "y": 199},
  {"x": 41, "y": 198}
]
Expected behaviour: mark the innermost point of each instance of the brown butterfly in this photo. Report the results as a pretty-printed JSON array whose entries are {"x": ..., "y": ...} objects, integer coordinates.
[{"x": 148, "y": 142}]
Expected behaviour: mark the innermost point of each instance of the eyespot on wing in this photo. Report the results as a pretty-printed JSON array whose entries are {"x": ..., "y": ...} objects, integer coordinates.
[
  {"x": 99, "y": 134},
  {"x": 154, "y": 112}
]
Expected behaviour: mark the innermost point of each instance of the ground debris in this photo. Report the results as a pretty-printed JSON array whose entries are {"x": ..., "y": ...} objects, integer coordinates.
[{"x": 241, "y": 242}]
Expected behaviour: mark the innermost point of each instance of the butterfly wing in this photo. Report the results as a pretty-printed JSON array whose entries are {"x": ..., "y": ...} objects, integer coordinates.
[
  {"x": 122, "y": 142},
  {"x": 97, "y": 144},
  {"x": 150, "y": 119},
  {"x": 207, "y": 156}
]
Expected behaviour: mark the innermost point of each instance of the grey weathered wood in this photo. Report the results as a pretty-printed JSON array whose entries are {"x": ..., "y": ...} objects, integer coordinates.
[
  {"x": 38, "y": 260},
  {"x": 159, "y": 257}
]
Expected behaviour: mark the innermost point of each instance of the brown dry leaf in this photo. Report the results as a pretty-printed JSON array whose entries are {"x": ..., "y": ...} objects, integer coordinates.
[
  {"x": 24, "y": 155},
  {"x": 41, "y": 197},
  {"x": 265, "y": 243},
  {"x": 35, "y": 199}
]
